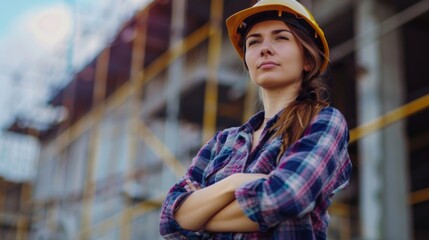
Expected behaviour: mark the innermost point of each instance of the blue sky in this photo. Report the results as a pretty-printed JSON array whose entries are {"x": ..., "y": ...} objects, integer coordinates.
[
  {"x": 10, "y": 11},
  {"x": 13, "y": 30},
  {"x": 40, "y": 42},
  {"x": 36, "y": 54}
]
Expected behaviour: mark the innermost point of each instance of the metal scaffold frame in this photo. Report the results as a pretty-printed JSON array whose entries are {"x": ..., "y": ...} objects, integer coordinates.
[{"x": 139, "y": 130}]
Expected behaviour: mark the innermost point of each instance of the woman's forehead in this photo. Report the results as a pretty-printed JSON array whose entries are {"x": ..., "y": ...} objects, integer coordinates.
[{"x": 268, "y": 25}]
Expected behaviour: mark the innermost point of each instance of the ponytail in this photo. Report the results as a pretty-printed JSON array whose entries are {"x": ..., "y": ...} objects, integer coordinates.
[{"x": 312, "y": 96}]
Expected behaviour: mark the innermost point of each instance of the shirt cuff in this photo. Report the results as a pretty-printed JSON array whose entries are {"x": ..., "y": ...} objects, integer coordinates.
[
  {"x": 170, "y": 228},
  {"x": 247, "y": 198}
]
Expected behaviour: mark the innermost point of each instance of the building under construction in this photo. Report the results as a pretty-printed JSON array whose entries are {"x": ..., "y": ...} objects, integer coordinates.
[{"x": 143, "y": 107}]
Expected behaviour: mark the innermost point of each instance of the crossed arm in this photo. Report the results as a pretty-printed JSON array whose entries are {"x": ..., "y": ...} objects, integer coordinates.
[
  {"x": 302, "y": 175},
  {"x": 215, "y": 209}
]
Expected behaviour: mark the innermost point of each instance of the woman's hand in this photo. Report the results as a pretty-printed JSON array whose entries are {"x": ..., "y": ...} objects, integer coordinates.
[{"x": 190, "y": 186}]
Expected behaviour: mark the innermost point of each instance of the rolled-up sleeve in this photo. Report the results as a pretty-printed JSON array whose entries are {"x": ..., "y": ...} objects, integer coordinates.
[
  {"x": 169, "y": 228},
  {"x": 310, "y": 170}
]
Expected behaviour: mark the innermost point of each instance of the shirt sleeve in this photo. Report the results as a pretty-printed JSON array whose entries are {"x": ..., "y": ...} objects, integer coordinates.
[
  {"x": 169, "y": 228},
  {"x": 314, "y": 167}
]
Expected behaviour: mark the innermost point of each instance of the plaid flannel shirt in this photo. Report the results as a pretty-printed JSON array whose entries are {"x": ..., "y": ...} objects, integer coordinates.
[{"x": 292, "y": 203}]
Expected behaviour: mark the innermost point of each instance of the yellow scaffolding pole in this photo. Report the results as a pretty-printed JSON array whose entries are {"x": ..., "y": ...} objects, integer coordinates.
[
  {"x": 137, "y": 62},
  {"x": 395, "y": 115},
  {"x": 211, "y": 92},
  {"x": 419, "y": 196},
  {"x": 102, "y": 67},
  {"x": 161, "y": 150},
  {"x": 249, "y": 101},
  {"x": 115, "y": 221},
  {"x": 22, "y": 224}
]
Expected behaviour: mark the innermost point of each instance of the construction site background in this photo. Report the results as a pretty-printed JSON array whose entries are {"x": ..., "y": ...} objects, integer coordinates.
[{"x": 137, "y": 113}]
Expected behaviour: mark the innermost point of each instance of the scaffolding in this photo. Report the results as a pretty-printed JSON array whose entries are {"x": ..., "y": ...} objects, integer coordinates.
[{"x": 104, "y": 173}]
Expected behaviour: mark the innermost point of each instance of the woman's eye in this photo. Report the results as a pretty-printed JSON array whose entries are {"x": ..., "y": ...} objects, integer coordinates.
[
  {"x": 252, "y": 42},
  {"x": 282, "y": 38}
]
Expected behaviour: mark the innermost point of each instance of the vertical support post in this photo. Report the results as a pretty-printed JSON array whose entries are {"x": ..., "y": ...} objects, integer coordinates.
[
  {"x": 211, "y": 91},
  {"x": 22, "y": 228},
  {"x": 175, "y": 76},
  {"x": 101, "y": 73},
  {"x": 22, "y": 225},
  {"x": 369, "y": 108},
  {"x": 137, "y": 64},
  {"x": 249, "y": 102},
  {"x": 397, "y": 222},
  {"x": 173, "y": 85},
  {"x": 383, "y": 177},
  {"x": 3, "y": 195}
]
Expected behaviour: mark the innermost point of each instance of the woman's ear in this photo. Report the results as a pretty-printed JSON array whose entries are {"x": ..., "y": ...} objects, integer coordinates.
[{"x": 308, "y": 66}]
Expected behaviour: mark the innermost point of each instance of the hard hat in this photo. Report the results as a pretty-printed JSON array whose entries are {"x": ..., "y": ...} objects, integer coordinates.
[{"x": 238, "y": 21}]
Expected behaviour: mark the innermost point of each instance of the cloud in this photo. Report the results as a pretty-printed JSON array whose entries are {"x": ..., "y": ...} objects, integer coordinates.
[
  {"x": 46, "y": 45},
  {"x": 50, "y": 27},
  {"x": 31, "y": 59}
]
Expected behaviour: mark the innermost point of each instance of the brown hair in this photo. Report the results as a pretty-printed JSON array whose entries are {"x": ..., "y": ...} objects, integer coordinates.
[{"x": 312, "y": 96}]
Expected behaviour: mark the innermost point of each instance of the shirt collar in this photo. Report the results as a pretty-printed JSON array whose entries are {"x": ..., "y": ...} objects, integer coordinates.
[{"x": 256, "y": 120}]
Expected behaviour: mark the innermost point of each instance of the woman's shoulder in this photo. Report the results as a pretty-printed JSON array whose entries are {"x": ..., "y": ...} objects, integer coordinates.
[
  {"x": 332, "y": 116},
  {"x": 331, "y": 112},
  {"x": 223, "y": 134}
]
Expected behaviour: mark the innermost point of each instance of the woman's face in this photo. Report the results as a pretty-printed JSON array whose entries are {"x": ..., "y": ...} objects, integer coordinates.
[{"x": 274, "y": 56}]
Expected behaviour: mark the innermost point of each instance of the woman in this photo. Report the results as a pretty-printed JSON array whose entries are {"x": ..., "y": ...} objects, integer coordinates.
[{"x": 274, "y": 176}]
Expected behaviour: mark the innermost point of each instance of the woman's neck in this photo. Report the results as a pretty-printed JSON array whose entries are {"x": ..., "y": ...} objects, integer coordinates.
[{"x": 275, "y": 100}]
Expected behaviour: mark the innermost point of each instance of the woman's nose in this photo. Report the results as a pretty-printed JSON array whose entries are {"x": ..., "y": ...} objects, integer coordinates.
[{"x": 266, "y": 50}]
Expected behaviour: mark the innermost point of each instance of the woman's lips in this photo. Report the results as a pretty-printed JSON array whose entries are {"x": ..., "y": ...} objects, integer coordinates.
[{"x": 267, "y": 65}]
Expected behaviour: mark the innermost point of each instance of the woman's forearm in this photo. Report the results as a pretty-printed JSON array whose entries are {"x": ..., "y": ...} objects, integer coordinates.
[
  {"x": 231, "y": 219},
  {"x": 203, "y": 204}
]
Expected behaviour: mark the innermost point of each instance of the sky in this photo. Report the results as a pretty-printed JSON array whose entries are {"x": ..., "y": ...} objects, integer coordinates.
[
  {"x": 12, "y": 10},
  {"x": 42, "y": 43},
  {"x": 10, "y": 13}
]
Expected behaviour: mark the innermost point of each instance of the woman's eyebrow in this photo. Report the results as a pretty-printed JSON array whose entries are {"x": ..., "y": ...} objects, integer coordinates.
[
  {"x": 281, "y": 30},
  {"x": 253, "y": 35},
  {"x": 277, "y": 31}
]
